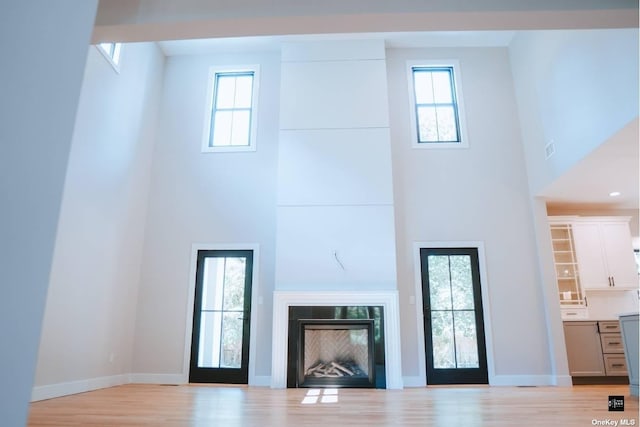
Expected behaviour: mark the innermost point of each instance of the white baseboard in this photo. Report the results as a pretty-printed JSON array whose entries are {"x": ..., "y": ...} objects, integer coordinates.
[
  {"x": 260, "y": 381},
  {"x": 523, "y": 380},
  {"x": 414, "y": 381},
  {"x": 174, "y": 379},
  {"x": 73, "y": 387},
  {"x": 563, "y": 381}
]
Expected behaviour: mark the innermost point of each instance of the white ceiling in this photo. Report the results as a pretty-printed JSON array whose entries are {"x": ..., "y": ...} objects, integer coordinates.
[
  {"x": 397, "y": 40},
  {"x": 614, "y": 166}
]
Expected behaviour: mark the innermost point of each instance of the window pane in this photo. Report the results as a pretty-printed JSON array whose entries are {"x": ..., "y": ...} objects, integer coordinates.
[
  {"x": 442, "y": 87},
  {"x": 466, "y": 339},
  {"x": 106, "y": 47},
  {"x": 231, "y": 340},
  {"x": 461, "y": 282},
  {"x": 225, "y": 91},
  {"x": 427, "y": 124},
  {"x": 209, "y": 344},
  {"x": 241, "y": 127},
  {"x": 234, "y": 284},
  {"x": 442, "y": 336},
  {"x": 446, "y": 118},
  {"x": 222, "y": 128},
  {"x": 439, "y": 285},
  {"x": 244, "y": 87},
  {"x": 116, "y": 53},
  {"x": 423, "y": 86}
]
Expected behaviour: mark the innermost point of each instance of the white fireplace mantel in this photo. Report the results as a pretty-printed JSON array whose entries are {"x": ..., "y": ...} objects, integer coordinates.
[{"x": 282, "y": 300}]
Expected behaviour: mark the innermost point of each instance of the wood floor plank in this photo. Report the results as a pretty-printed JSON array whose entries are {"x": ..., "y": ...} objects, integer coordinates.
[{"x": 229, "y": 406}]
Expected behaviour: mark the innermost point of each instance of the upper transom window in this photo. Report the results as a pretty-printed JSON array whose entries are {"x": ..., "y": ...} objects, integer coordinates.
[
  {"x": 436, "y": 112},
  {"x": 232, "y": 114},
  {"x": 111, "y": 51}
]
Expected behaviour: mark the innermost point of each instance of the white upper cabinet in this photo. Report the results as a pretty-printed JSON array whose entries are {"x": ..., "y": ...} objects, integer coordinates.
[{"x": 605, "y": 254}]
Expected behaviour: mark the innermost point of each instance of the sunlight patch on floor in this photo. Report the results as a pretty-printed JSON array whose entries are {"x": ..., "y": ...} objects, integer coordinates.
[{"x": 328, "y": 395}]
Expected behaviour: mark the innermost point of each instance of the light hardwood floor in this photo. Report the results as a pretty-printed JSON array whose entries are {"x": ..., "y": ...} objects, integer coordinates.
[{"x": 228, "y": 406}]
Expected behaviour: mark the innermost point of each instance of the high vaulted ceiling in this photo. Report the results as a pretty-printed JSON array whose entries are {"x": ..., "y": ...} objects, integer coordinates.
[{"x": 204, "y": 26}]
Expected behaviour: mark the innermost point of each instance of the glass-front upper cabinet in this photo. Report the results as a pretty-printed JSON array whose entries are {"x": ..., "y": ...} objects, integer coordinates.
[{"x": 569, "y": 289}]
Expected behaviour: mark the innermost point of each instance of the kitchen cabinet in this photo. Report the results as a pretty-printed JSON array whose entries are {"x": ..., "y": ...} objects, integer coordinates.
[
  {"x": 604, "y": 254},
  {"x": 566, "y": 264},
  {"x": 612, "y": 348},
  {"x": 584, "y": 351},
  {"x": 595, "y": 349}
]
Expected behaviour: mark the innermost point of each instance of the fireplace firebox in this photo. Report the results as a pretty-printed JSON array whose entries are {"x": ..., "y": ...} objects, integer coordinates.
[
  {"x": 336, "y": 353},
  {"x": 336, "y": 346}
]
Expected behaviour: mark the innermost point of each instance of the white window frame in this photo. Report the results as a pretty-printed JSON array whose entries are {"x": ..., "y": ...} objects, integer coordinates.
[
  {"x": 255, "y": 69},
  {"x": 112, "y": 57},
  {"x": 462, "y": 128}
]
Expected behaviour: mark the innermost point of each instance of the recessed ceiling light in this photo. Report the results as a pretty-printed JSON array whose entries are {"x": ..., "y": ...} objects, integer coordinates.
[{"x": 615, "y": 193}]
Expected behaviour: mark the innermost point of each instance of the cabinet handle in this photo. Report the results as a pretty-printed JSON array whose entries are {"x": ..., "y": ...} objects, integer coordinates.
[
  {"x": 613, "y": 281},
  {"x": 609, "y": 278},
  {"x": 610, "y": 327},
  {"x": 614, "y": 343},
  {"x": 617, "y": 365}
]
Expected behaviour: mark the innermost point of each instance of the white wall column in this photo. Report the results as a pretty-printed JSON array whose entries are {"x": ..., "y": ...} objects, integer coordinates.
[
  {"x": 44, "y": 46},
  {"x": 335, "y": 195}
]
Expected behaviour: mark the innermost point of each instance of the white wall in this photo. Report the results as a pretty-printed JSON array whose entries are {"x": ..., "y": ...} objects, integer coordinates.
[
  {"x": 204, "y": 198},
  {"x": 474, "y": 194},
  {"x": 335, "y": 225},
  {"x": 37, "y": 109},
  {"x": 575, "y": 88},
  {"x": 91, "y": 305}
]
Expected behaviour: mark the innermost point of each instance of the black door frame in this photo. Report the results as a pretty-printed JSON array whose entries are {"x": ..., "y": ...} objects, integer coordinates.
[
  {"x": 457, "y": 375},
  {"x": 221, "y": 375}
]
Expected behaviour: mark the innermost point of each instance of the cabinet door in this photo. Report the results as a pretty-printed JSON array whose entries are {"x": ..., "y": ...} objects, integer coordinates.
[
  {"x": 584, "y": 352},
  {"x": 589, "y": 252},
  {"x": 616, "y": 239}
]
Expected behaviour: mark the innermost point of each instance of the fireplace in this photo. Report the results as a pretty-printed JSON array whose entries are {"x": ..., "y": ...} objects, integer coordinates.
[
  {"x": 348, "y": 336},
  {"x": 336, "y": 353},
  {"x": 381, "y": 306}
]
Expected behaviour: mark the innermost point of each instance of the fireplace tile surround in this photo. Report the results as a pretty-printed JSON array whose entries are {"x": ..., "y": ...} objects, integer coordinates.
[{"x": 387, "y": 300}]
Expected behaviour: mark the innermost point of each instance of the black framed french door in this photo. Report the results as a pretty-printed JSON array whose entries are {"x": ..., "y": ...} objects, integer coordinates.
[
  {"x": 221, "y": 317},
  {"x": 453, "y": 319}
]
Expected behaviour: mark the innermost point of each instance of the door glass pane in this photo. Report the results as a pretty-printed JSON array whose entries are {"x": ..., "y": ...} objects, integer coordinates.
[
  {"x": 209, "y": 349},
  {"x": 231, "y": 340},
  {"x": 439, "y": 282},
  {"x": 461, "y": 282},
  {"x": 213, "y": 284},
  {"x": 444, "y": 356},
  {"x": 234, "y": 284},
  {"x": 466, "y": 339},
  {"x": 221, "y": 319}
]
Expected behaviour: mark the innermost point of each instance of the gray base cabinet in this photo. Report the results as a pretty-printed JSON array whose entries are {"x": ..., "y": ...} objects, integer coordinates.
[
  {"x": 584, "y": 350},
  {"x": 612, "y": 349}
]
